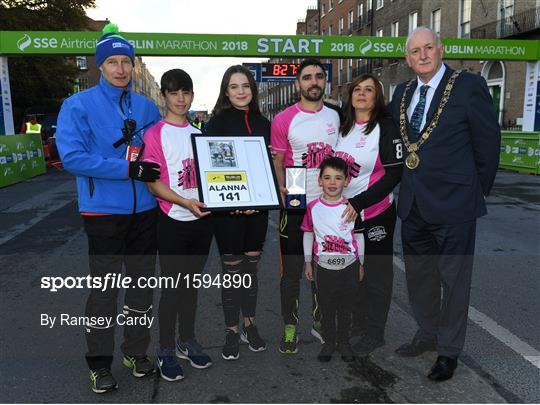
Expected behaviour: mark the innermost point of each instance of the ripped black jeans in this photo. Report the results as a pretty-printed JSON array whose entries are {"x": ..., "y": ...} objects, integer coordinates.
[{"x": 235, "y": 236}]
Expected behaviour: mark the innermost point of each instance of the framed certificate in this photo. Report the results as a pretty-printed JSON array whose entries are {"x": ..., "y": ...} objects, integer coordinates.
[{"x": 235, "y": 172}]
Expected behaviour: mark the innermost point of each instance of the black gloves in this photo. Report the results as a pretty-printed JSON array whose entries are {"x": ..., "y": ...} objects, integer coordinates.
[{"x": 144, "y": 171}]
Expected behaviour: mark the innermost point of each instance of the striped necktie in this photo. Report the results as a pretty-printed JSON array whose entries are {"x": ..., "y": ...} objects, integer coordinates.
[{"x": 418, "y": 113}]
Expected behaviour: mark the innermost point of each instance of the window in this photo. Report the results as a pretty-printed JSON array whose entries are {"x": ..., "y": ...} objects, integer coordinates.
[
  {"x": 506, "y": 25},
  {"x": 81, "y": 62},
  {"x": 330, "y": 29},
  {"x": 465, "y": 18},
  {"x": 379, "y": 4},
  {"x": 349, "y": 71},
  {"x": 331, "y": 5},
  {"x": 340, "y": 27},
  {"x": 340, "y": 72},
  {"x": 351, "y": 20},
  {"x": 506, "y": 9},
  {"x": 413, "y": 21},
  {"x": 379, "y": 32},
  {"x": 394, "y": 29},
  {"x": 360, "y": 10},
  {"x": 369, "y": 4},
  {"x": 323, "y": 8},
  {"x": 80, "y": 84},
  {"x": 435, "y": 24}
]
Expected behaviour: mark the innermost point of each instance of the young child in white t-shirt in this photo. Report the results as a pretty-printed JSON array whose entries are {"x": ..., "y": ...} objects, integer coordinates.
[{"x": 333, "y": 257}]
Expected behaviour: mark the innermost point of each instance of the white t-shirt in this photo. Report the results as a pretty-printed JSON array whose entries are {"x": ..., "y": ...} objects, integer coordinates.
[
  {"x": 367, "y": 156},
  {"x": 306, "y": 138},
  {"x": 169, "y": 145},
  {"x": 336, "y": 246}
]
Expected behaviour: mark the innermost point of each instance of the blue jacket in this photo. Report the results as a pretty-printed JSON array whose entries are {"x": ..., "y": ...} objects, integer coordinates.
[{"x": 88, "y": 124}]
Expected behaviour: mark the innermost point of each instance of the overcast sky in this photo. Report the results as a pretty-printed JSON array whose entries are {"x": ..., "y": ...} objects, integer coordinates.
[{"x": 276, "y": 17}]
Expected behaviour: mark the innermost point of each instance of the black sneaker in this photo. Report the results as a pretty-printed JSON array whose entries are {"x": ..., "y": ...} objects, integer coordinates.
[
  {"x": 347, "y": 354},
  {"x": 316, "y": 331},
  {"x": 367, "y": 345},
  {"x": 289, "y": 342},
  {"x": 231, "y": 348},
  {"x": 140, "y": 366},
  {"x": 102, "y": 381},
  {"x": 325, "y": 354},
  {"x": 250, "y": 335}
]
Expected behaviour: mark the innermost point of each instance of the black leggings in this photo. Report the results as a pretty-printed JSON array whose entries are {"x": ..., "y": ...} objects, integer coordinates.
[
  {"x": 292, "y": 267},
  {"x": 375, "y": 291},
  {"x": 183, "y": 248},
  {"x": 236, "y": 235},
  {"x": 337, "y": 290}
]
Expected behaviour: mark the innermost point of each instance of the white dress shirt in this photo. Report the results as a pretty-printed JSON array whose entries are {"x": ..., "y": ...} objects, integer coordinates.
[{"x": 433, "y": 83}]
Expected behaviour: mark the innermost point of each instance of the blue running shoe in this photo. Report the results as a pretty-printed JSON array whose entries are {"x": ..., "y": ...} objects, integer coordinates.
[
  {"x": 191, "y": 350},
  {"x": 168, "y": 365}
]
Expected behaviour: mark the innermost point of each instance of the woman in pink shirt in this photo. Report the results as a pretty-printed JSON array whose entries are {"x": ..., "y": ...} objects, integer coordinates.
[{"x": 370, "y": 143}]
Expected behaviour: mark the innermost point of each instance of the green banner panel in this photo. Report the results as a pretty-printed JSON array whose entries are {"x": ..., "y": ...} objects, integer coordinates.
[
  {"x": 520, "y": 151},
  {"x": 21, "y": 157},
  {"x": 262, "y": 46}
]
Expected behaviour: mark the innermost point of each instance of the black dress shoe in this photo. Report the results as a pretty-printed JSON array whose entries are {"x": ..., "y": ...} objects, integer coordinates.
[
  {"x": 415, "y": 348},
  {"x": 443, "y": 369},
  {"x": 367, "y": 344},
  {"x": 347, "y": 354},
  {"x": 325, "y": 354}
]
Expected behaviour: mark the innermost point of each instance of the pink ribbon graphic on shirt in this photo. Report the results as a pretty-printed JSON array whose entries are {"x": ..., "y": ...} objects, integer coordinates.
[
  {"x": 353, "y": 167},
  {"x": 335, "y": 244},
  {"x": 187, "y": 178},
  {"x": 316, "y": 153}
]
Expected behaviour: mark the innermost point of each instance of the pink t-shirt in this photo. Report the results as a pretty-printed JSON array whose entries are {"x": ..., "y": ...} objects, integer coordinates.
[
  {"x": 169, "y": 145},
  {"x": 306, "y": 138},
  {"x": 367, "y": 158},
  {"x": 335, "y": 246}
]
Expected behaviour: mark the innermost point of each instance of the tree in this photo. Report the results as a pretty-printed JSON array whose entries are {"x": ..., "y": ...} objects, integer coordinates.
[{"x": 42, "y": 80}]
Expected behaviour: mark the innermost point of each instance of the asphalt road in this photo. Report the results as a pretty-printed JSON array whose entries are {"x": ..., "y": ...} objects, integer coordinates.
[{"x": 41, "y": 235}]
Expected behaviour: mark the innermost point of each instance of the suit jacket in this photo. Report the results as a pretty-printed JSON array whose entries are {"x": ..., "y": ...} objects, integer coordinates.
[{"x": 459, "y": 161}]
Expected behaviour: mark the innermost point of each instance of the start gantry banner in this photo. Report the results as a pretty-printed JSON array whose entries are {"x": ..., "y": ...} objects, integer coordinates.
[{"x": 21, "y": 43}]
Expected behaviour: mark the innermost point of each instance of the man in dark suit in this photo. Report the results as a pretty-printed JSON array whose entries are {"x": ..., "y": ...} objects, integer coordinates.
[{"x": 452, "y": 141}]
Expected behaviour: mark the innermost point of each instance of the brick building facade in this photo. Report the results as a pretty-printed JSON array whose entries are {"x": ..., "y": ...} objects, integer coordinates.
[{"x": 483, "y": 19}]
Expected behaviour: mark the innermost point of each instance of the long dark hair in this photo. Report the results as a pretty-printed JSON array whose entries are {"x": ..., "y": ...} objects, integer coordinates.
[
  {"x": 378, "y": 112},
  {"x": 223, "y": 102}
]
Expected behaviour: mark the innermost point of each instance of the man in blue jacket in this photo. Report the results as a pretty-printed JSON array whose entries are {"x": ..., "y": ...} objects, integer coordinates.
[
  {"x": 452, "y": 139},
  {"x": 99, "y": 137}
]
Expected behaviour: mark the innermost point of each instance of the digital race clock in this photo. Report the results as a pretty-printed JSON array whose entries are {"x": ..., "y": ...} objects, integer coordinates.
[
  {"x": 276, "y": 70},
  {"x": 280, "y": 72}
]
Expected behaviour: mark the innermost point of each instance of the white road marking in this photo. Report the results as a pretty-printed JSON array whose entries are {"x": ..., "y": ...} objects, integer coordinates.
[
  {"x": 46, "y": 202},
  {"x": 500, "y": 333}
]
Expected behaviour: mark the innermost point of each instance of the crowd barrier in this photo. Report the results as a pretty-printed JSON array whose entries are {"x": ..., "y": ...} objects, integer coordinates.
[
  {"x": 520, "y": 151},
  {"x": 21, "y": 157}
]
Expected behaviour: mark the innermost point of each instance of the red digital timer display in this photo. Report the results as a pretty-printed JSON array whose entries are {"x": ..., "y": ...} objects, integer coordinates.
[{"x": 279, "y": 69}]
